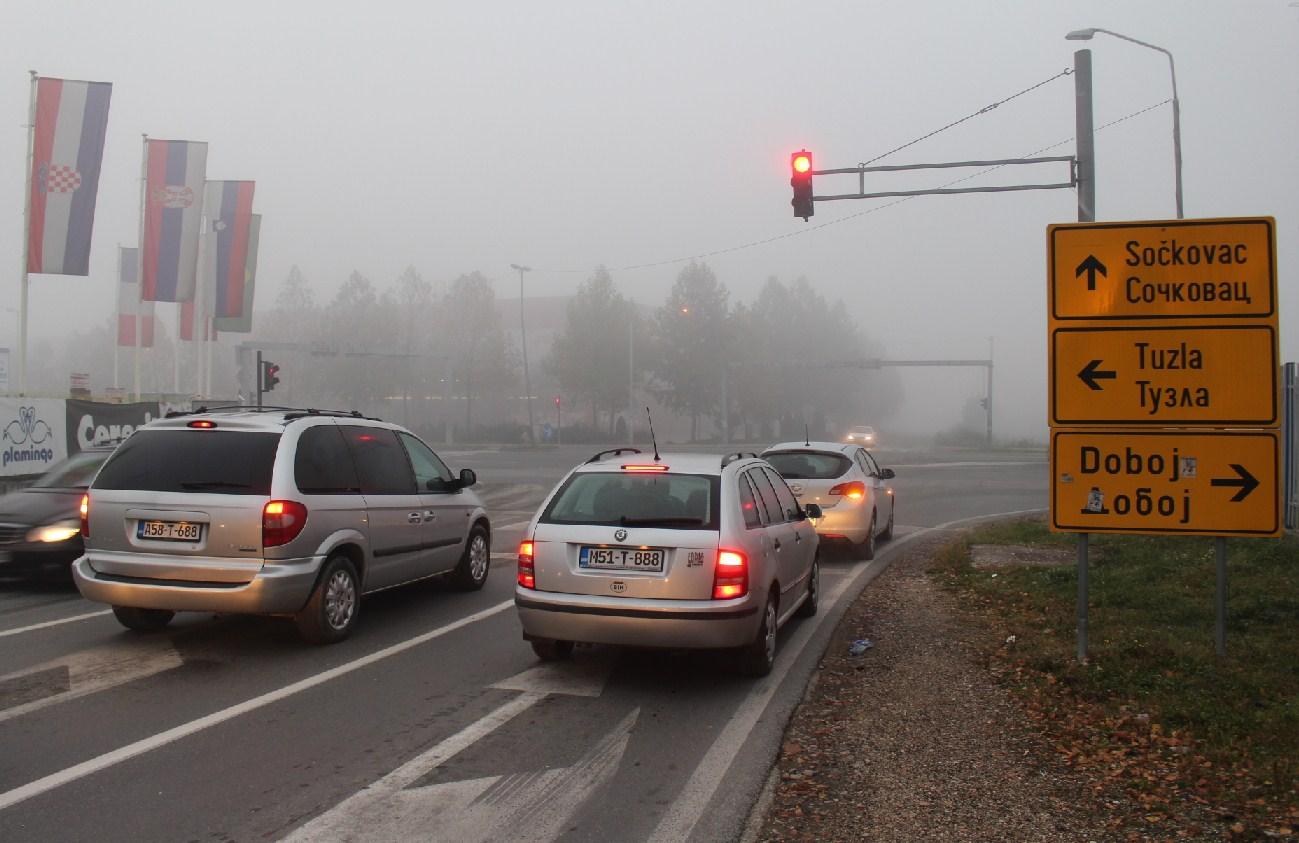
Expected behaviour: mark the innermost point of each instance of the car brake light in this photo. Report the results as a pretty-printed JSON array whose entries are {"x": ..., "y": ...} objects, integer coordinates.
[
  {"x": 85, "y": 516},
  {"x": 203, "y": 424},
  {"x": 282, "y": 522},
  {"x": 731, "y": 575},
  {"x": 653, "y": 467},
  {"x": 855, "y": 490},
  {"x": 527, "y": 571}
]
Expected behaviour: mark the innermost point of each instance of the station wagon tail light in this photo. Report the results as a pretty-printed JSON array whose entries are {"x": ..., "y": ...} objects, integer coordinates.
[
  {"x": 85, "y": 516},
  {"x": 527, "y": 571},
  {"x": 855, "y": 490},
  {"x": 648, "y": 467},
  {"x": 731, "y": 576},
  {"x": 282, "y": 522},
  {"x": 203, "y": 424}
]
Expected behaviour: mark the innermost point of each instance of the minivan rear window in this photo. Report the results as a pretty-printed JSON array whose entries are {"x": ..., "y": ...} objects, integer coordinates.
[
  {"x": 671, "y": 501},
  {"x": 808, "y": 465},
  {"x": 211, "y": 461}
]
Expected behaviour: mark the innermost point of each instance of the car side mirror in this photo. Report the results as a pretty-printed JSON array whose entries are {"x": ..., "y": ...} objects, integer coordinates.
[
  {"x": 812, "y": 510},
  {"x": 467, "y": 478},
  {"x": 887, "y": 474}
]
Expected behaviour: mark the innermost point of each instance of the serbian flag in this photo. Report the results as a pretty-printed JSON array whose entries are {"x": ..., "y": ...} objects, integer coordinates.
[
  {"x": 228, "y": 209},
  {"x": 67, "y": 151},
  {"x": 194, "y": 325},
  {"x": 131, "y": 311},
  {"x": 243, "y": 324},
  {"x": 173, "y": 207}
]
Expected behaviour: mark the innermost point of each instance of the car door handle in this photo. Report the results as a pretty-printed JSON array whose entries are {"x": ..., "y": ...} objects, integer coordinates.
[
  {"x": 414, "y": 518},
  {"x": 429, "y": 515},
  {"x": 798, "y": 538},
  {"x": 777, "y": 544}
]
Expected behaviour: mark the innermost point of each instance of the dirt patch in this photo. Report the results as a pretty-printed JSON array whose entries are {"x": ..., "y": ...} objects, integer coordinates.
[{"x": 1007, "y": 555}]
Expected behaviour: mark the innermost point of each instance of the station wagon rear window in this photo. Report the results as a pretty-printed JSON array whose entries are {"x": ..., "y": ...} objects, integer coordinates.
[
  {"x": 669, "y": 501},
  {"x": 205, "y": 461}
]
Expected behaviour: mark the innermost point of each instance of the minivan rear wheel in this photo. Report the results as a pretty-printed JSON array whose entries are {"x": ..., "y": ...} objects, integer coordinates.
[
  {"x": 550, "y": 650},
  {"x": 758, "y": 657},
  {"x": 471, "y": 573},
  {"x": 330, "y": 614},
  {"x": 143, "y": 620}
]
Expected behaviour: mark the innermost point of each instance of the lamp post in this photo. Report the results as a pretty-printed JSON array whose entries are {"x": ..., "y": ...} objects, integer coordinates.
[
  {"x": 523, "y": 341},
  {"x": 1086, "y": 35}
]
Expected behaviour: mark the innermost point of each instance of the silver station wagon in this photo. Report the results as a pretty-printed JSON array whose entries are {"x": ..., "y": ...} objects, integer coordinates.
[
  {"x": 281, "y": 512},
  {"x": 674, "y": 551}
]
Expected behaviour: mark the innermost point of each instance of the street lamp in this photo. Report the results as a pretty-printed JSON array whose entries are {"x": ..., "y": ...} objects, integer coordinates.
[
  {"x": 523, "y": 341},
  {"x": 1086, "y": 35}
]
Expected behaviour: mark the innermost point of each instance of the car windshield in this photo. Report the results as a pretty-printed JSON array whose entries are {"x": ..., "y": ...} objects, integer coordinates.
[
  {"x": 74, "y": 472},
  {"x": 808, "y": 465},
  {"x": 673, "y": 501},
  {"x": 216, "y": 461}
]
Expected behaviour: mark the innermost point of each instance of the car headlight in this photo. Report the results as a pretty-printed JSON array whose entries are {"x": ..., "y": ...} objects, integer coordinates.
[{"x": 59, "y": 531}]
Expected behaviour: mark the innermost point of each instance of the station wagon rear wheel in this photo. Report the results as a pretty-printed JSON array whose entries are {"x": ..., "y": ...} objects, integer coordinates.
[
  {"x": 330, "y": 614},
  {"x": 758, "y": 657},
  {"x": 143, "y": 620},
  {"x": 550, "y": 650},
  {"x": 808, "y": 607}
]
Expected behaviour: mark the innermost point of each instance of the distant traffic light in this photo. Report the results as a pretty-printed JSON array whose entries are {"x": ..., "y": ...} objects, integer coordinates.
[
  {"x": 270, "y": 375},
  {"x": 800, "y": 164}
]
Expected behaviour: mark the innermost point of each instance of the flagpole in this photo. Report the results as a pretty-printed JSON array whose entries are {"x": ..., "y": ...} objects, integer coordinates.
[
  {"x": 139, "y": 257},
  {"x": 27, "y": 236},
  {"x": 117, "y": 333}
]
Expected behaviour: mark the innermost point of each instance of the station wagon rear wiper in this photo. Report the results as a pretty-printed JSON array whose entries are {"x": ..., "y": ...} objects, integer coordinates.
[{"x": 195, "y": 485}]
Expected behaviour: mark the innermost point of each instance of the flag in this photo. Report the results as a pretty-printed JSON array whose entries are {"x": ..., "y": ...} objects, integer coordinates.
[
  {"x": 188, "y": 321},
  {"x": 129, "y": 305},
  {"x": 243, "y": 324},
  {"x": 227, "y": 207},
  {"x": 174, "y": 175},
  {"x": 67, "y": 151}
]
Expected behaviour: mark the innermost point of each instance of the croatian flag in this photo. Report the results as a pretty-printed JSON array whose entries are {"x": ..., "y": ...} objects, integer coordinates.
[
  {"x": 228, "y": 209},
  {"x": 173, "y": 192},
  {"x": 243, "y": 324},
  {"x": 129, "y": 306},
  {"x": 67, "y": 151}
]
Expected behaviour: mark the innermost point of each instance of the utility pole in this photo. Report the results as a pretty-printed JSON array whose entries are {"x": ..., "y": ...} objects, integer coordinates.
[
  {"x": 1086, "y": 176},
  {"x": 523, "y": 342}
]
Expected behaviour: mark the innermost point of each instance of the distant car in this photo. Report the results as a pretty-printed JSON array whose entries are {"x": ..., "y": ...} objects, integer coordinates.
[
  {"x": 40, "y": 525},
  {"x": 278, "y": 512},
  {"x": 674, "y": 551},
  {"x": 862, "y": 434},
  {"x": 850, "y": 487}
]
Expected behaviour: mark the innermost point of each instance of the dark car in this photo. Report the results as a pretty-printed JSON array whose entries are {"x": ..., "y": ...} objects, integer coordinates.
[{"x": 40, "y": 526}]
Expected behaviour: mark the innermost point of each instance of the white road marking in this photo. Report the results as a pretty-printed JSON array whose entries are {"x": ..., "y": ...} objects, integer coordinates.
[
  {"x": 48, "y": 624},
  {"x": 117, "y": 756},
  {"x": 516, "y": 525},
  {"x": 98, "y": 669},
  {"x": 531, "y": 806}
]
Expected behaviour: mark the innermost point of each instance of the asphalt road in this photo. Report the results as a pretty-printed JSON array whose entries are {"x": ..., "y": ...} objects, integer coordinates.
[{"x": 434, "y": 721}]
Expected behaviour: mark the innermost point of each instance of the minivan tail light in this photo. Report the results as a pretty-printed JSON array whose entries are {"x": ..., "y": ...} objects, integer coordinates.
[
  {"x": 85, "y": 515},
  {"x": 731, "y": 575},
  {"x": 854, "y": 490},
  {"x": 282, "y": 522},
  {"x": 527, "y": 570}
]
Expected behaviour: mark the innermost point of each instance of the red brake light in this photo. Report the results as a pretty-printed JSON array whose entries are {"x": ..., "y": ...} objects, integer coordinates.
[
  {"x": 85, "y": 516},
  {"x": 731, "y": 576},
  {"x": 282, "y": 521},
  {"x": 527, "y": 572},
  {"x": 205, "y": 424},
  {"x": 855, "y": 490},
  {"x": 654, "y": 467}
]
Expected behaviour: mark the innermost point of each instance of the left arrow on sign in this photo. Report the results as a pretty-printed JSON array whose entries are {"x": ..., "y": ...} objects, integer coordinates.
[
  {"x": 1090, "y": 374},
  {"x": 1245, "y": 482},
  {"x": 1091, "y": 266}
]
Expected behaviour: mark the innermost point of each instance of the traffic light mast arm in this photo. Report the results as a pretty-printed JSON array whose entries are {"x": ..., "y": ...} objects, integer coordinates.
[{"x": 943, "y": 191}]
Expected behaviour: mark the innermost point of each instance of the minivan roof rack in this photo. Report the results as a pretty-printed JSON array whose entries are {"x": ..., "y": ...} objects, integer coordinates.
[
  {"x": 312, "y": 411},
  {"x": 738, "y": 455},
  {"x": 612, "y": 452},
  {"x": 290, "y": 413},
  {"x": 171, "y": 414}
]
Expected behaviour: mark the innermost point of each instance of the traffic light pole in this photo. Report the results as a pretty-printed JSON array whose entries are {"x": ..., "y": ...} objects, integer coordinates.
[{"x": 259, "y": 378}]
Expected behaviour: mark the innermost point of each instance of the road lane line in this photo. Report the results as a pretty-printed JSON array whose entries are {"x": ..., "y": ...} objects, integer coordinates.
[
  {"x": 516, "y": 525},
  {"x": 48, "y": 624},
  {"x": 102, "y": 762}
]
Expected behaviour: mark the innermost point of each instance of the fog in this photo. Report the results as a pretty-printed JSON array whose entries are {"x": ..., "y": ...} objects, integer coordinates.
[{"x": 459, "y": 138}]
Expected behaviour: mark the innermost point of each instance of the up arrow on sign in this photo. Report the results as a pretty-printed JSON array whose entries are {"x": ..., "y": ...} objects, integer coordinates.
[{"x": 1091, "y": 266}]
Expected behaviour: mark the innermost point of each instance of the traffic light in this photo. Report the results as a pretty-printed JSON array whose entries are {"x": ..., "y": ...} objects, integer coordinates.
[
  {"x": 270, "y": 375},
  {"x": 800, "y": 164}
]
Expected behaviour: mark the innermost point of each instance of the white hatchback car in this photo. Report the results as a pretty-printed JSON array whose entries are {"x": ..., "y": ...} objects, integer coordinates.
[
  {"x": 850, "y": 487},
  {"x": 675, "y": 551}
]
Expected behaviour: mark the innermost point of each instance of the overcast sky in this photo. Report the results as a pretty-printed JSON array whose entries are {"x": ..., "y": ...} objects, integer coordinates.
[{"x": 460, "y": 137}]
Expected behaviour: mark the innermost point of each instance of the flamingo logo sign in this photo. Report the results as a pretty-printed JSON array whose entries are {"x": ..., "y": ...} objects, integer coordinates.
[{"x": 29, "y": 443}]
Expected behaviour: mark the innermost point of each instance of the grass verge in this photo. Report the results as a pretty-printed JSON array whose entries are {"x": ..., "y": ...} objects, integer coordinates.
[{"x": 1198, "y": 745}]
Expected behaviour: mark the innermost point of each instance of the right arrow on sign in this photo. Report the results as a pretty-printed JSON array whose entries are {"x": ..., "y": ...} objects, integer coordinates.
[
  {"x": 1246, "y": 482},
  {"x": 1091, "y": 266},
  {"x": 1090, "y": 374}
]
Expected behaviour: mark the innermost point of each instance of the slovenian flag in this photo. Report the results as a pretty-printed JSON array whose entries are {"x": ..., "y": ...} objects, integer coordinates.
[
  {"x": 131, "y": 311},
  {"x": 228, "y": 209},
  {"x": 243, "y": 324},
  {"x": 67, "y": 151},
  {"x": 175, "y": 172}
]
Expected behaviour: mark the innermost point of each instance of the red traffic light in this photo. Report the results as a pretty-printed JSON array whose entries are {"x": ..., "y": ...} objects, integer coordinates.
[
  {"x": 801, "y": 162},
  {"x": 801, "y": 180},
  {"x": 556, "y": 400}
]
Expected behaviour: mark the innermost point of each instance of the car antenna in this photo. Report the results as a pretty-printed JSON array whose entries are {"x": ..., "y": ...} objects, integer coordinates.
[
  {"x": 807, "y": 440},
  {"x": 655, "y": 441}
]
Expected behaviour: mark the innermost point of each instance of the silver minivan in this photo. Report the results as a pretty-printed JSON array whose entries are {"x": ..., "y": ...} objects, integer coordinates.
[
  {"x": 675, "y": 551},
  {"x": 280, "y": 512}
]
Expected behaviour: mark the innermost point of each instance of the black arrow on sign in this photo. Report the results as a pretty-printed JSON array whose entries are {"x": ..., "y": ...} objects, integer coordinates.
[
  {"x": 1090, "y": 374},
  {"x": 1246, "y": 481},
  {"x": 1091, "y": 266}
]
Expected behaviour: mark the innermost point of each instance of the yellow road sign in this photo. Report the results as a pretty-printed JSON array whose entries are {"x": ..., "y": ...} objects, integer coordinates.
[
  {"x": 1175, "y": 269},
  {"x": 1212, "y": 483},
  {"x": 1171, "y": 376}
]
